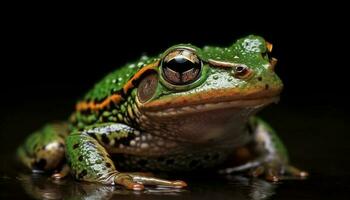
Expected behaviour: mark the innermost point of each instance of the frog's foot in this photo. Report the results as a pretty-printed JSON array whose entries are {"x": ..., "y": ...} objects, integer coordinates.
[
  {"x": 275, "y": 172},
  {"x": 134, "y": 181},
  {"x": 295, "y": 172},
  {"x": 62, "y": 173},
  {"x": 44, "y": 150}
]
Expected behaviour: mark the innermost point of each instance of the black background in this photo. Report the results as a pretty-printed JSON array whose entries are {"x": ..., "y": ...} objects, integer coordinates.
[
  {"x": 53, "y": 54},
  {"x": 61, "y": 53}
]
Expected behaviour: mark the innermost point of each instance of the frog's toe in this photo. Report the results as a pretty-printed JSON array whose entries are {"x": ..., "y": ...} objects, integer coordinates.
[
  {"x": 270, "y": 172},
  {"x": 272, "y": 175},
  {"x": 257, "y": 171},
  {"x": 135, "y": 181},
  {"x": 159, "y": 182},
  {"x": 62, "y": 173},
  {"x": 128, "y": 182},
  {"x": 275, "y": 172},
  {"x": 293, "y": 171}
]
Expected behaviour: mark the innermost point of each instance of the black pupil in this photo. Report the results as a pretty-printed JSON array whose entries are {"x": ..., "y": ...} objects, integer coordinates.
[{"x": 181, "y": 64}]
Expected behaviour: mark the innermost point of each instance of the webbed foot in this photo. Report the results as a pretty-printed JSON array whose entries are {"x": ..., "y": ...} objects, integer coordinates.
[{"x": 275, "y": 172}]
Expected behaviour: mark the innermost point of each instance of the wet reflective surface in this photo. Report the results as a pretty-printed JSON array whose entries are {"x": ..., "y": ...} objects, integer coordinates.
[
  {"x": 40, "y": 187},
  {"x": 316, "y": 138},
  {"x": 29, "y": 186}
]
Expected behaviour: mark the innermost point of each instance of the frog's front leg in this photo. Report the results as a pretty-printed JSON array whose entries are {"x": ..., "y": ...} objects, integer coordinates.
[
  {"x": 265, "y": 155},
  {"x": 44, "y": 150},
  {"x": 89, "y": 160}
]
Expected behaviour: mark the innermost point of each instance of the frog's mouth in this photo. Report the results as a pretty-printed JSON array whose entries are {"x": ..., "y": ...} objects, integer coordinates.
[{"x": 210, "y": 101}]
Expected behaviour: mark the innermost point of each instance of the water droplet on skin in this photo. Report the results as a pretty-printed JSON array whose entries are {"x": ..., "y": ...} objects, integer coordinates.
[
  {"x": 120, "y": 79},
  {"x": 236, "y": 57},
  {"x": 218, "y": 57},
  {"x": 132, "y": 66},
  {"x": 144, "y": 57},
  {"x": 114, "y": 81},
  {"x": 139, "y": 64}
]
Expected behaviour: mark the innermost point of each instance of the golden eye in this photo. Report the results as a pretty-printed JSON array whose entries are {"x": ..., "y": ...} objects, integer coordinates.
[{"x": 181, "y": 67}]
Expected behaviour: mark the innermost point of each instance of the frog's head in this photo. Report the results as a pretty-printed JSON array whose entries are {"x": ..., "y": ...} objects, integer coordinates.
[{"x": 203, "y": 89}]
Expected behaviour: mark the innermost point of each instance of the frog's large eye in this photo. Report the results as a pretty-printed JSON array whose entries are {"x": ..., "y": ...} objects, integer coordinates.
[{"x": 181, "y": 67}]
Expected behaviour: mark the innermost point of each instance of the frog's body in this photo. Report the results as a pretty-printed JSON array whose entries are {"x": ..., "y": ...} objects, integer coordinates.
[{"x": 187, "y": 109}]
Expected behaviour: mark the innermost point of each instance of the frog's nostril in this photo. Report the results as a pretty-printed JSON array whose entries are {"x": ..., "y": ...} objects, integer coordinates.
[{"x": 241, "y": 71}]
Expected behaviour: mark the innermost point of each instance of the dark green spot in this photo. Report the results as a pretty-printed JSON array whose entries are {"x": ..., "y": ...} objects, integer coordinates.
[
  {"x": 61, "y": 145},
  {"x": 124, "y": 141},
  {"x": 93, "y": 135},
  {"x": 259, "y": 78},
  {"x": 82, "y": 174},
  {"x": 267, "y": 86},
  {"x": 80, "y": 158},
  {"x": 105, "y": 139},
  {"x": 108, "y": 165},
  {"x": 75, "y": 145}
]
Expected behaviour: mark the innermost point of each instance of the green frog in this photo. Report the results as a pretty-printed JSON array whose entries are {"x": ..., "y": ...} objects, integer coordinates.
[{"x": 189, "y": 109}]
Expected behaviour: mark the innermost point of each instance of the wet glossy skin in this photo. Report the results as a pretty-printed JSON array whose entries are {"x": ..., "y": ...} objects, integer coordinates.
[{"x": 189, "y": 109}]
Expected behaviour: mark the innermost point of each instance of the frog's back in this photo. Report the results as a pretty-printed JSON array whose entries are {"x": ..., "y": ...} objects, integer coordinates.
[
  {"x": 111, "y": 95},
  {"x": 114, "y": 82}
]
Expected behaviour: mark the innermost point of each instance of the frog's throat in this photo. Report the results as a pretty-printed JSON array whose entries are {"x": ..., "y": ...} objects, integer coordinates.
[{"x": 209, "y": 101}]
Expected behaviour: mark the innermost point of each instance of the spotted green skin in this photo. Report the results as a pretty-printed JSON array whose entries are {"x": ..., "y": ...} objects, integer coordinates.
[{"x": 92, "y": 138}]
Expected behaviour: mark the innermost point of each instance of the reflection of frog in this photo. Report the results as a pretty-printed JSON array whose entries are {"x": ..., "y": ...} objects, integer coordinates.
[
  {"x": 187, "y": 109},
  {"x": 39, "y": 187},
  {"x": 231, "y": 187}
]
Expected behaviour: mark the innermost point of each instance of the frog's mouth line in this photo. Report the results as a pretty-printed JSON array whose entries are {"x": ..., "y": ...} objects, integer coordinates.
[
  {"x": 179, "y": 105},
  {"x": 253, "y": 104}
]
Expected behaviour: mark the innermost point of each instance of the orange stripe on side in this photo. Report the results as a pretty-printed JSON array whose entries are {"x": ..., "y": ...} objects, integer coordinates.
[
  {"x": 115, "y": 98},
  {"x": 129, "y": 85}
]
